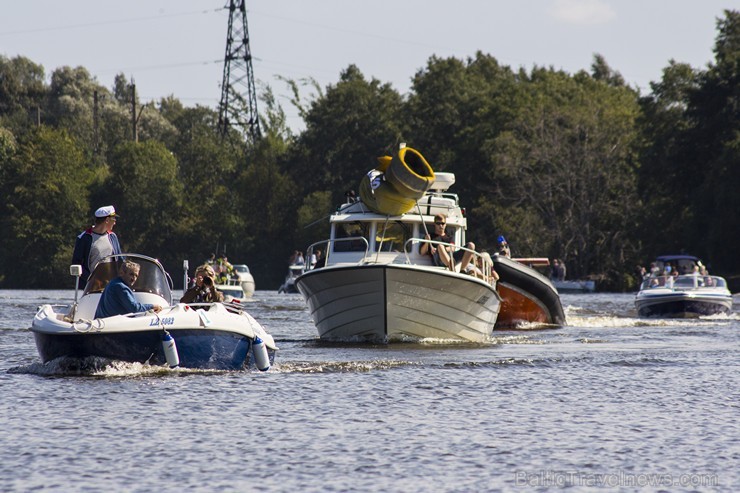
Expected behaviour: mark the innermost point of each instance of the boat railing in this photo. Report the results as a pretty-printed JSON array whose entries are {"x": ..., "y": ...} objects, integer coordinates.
[
  {"x": 330, "y": 250},
  {"x": 231, "y": 281},
  {"x": 482, "y": 264}
]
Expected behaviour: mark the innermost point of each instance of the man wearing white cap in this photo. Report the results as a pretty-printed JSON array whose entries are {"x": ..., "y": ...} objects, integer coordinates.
[{"x": 96, "y": 242}]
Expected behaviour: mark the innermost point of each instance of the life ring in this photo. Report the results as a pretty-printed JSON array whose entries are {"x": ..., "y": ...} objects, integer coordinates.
[
  {"x": 381, "y": 197},
  {"x": 409, "y": 173}
]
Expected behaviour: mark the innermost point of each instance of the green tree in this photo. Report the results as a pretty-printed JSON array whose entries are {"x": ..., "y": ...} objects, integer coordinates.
[
  {"x": 455, "y": 111},
  {"x": 46, "y": 202},
  {"x": 662, "y": 177},
  {"x": 568, "y": 159},
  {"x": 715, "y": 153},
  {"x": 144, "y": 186},
  {"x": 346, "y": 130},
  {"x": 22, "y": 92}
]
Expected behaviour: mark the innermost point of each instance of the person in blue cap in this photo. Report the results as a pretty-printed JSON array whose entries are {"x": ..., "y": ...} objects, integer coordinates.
[
  {"x": 502, "y": 247},
  {"x": 96, "y": 242}
]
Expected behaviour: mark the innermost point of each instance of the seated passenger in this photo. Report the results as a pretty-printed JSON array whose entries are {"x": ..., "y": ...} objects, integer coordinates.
[
  {"x": 204, "y": 290},
  {"x": 440, "y": 253},
  {"x": 502, "y": 247},
  {"x": 118, "y": 297}
]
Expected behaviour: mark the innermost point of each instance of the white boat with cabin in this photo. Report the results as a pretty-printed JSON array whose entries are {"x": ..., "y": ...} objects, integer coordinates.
[
  {"x": 375, "y": 284},
  {"x": 245, "y": 278}
]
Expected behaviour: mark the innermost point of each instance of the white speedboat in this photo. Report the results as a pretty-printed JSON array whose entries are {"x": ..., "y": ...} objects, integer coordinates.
[
  {"x": 375, "y": 285},
  {"x": 288, "y": 286},
  {"x": 232, "y": 289},
  {"x": 246, "y": 279},
  {"x": 207, "y": 335},
  {"x": 687, "y": 295}
]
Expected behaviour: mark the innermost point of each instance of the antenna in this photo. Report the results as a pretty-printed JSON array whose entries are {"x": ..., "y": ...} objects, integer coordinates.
[{"x": 238, "y": 106}]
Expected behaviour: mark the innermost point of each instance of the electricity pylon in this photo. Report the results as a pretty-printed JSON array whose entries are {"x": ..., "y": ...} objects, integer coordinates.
[{"x": 238, "y": 106}]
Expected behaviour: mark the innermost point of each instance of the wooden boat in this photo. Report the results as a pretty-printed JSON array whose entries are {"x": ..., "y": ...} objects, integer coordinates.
[{"x": 527, "y": 297}]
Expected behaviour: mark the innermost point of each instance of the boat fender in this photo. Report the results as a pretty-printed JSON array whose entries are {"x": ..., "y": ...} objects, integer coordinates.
[
  {"x": 170, "y": 350},
  {"x": 410, "y": 174},
  {"x": 259, "y": 352},
  {"x": 383, "y": 163},
  {"x": 381, "y": 197}
]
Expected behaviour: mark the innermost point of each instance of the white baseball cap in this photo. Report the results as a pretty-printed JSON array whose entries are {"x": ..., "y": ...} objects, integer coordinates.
[{"x": 106, "y": 211}]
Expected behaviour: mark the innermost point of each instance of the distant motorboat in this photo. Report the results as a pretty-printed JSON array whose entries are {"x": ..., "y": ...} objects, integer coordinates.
[
  {"x": 682, "y": 296},
  {"x": 245, "y": 278},
  {"x": 288, "y": 286},
  {"x": 574, "y": 287}
]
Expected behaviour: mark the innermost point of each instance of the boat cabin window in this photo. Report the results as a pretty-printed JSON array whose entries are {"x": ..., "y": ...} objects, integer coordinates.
[
  {"x": 350, "y": 230},
  {"x": 391, "y": 237}
]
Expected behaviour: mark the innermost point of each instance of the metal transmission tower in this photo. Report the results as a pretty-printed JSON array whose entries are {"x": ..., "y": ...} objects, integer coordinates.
[{"x": 238, "y": 106}]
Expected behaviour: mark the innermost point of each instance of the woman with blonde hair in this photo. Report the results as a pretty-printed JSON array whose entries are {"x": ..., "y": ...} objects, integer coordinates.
[{"x": 204, "y": 290}]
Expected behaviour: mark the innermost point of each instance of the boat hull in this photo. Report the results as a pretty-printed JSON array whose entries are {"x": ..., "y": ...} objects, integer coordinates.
[
  {"x": 682, "y": 305},
  {"x": 387, "y": 302},
  {"x": 217, "y": 339},
  {"x": 527, "y": 296},
  {"x": 204, "y": 349}
]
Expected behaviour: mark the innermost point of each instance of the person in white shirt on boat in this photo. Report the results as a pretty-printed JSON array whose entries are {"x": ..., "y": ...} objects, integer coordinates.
[
  {"x": 96, "y": 242},
  {"x": 441, "y": 253},
  {"x": 118, "y": 297}
]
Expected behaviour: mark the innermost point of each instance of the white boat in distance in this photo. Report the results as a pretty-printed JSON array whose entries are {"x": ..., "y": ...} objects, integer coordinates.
[
  {"x": 683, "y": 296},
  {"x": 219, "y": 336},
  {"x": 573, "y": 286},
  {"x": 376, "y": 286},
  {"x": 246, "y": 278},
  {"x": 288, "y": 286}
]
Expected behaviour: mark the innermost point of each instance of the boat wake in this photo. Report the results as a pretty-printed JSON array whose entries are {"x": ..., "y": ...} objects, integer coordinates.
[
  {"x": 581, "y": 317},
  {"x": 93, "y": 366},
  {"x": 340, "y": 366}
]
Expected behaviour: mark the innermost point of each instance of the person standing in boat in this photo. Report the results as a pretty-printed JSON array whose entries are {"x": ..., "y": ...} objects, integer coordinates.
[
  {"x": 204, "y": 289},
  {"x": 320, "y": 260},
  {"x": 560, "y": 274},
  {"x": 118, "y": 297},
  {"x": 441, "y": 253},
  {"x": 96, "y": 242}
]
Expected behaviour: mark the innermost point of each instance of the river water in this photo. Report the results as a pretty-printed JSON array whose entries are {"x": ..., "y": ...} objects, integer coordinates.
[{"x": 609, "y": 401}]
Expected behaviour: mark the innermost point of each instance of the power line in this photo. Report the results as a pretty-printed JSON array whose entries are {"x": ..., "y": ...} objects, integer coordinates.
[{"x": 106, "y": 23}]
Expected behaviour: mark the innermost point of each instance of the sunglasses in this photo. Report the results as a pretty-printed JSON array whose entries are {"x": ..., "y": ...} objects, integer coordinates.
[{"x": 439, "y": 224}]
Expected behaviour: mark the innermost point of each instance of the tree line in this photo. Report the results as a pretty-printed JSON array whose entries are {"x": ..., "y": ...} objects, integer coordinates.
[{"x": 580, "y": 167}]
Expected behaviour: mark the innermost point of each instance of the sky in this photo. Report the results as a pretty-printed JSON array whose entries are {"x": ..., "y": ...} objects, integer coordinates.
[{"x": 176, "y": 47}]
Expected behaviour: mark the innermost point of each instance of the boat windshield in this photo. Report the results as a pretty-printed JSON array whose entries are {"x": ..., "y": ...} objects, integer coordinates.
[
  {"x": 152, "y": 277},
  {"x": 685, "y": 281},
  {"x": 351, "y": 230},
  {"x": 391, "y": 237}
]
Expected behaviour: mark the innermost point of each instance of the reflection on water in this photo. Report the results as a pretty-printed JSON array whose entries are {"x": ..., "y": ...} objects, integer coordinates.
[{"x": 609, "y": 395}]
